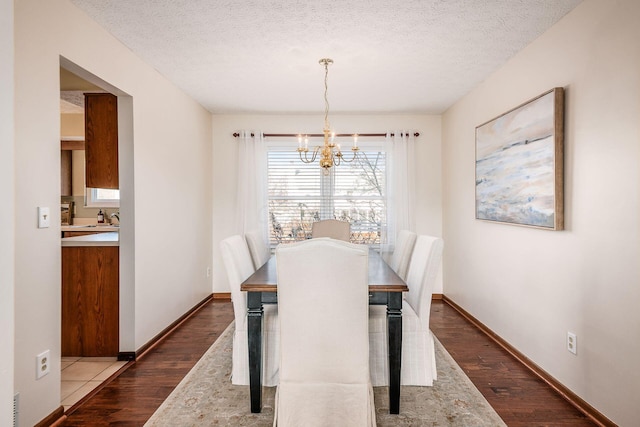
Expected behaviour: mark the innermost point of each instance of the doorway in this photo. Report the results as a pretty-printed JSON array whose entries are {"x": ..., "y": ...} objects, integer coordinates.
[{"x": 74, "y": 82}]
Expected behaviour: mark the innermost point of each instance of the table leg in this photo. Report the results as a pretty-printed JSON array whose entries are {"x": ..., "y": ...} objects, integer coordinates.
[
  {"x": 254, "y": 326},
  {"x": 394, "y": 329}
]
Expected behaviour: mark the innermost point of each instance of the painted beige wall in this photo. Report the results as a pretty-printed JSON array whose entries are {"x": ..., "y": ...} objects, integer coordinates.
[
  {"x": 71, "y": 125},
  {"x": 532, "y": 286},
  {"x": 6, "y": 213},
  {"x": 428, "y": 169},
  {"x": 165, "y": 167}
]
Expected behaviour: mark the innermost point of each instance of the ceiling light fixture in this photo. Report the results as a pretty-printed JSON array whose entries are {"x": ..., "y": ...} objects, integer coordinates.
[{"x": 330, "y": 153}]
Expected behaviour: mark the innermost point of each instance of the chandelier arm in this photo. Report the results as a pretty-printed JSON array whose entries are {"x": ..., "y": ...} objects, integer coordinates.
[
  {"x": 306, "y": 159},
  {"x": 354, "y": 156}
]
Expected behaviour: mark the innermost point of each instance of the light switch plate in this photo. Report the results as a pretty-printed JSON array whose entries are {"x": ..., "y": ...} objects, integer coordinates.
[{"x": 44, "y": 218}]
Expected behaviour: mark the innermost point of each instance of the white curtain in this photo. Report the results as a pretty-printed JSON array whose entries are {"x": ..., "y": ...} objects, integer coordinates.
[
  {"x": 400, "y": 149},
  {"x": 252, "y": 209}
]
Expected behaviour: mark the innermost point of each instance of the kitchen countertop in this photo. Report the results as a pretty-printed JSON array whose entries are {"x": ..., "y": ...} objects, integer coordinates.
[
  {"x": 98, "y": 239},
  {"x": 96, "y": 228}
]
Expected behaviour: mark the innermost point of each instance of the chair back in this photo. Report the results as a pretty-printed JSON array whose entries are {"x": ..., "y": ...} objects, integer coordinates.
[
  {"x": 324, "y": 338},
  {"x": 422, "y": 274},
  {"x": 402, "y": 253},
  {"x": 333, "y": 228},
  {"x": 239, "y": 266},
  {"x": 259, "y": 249}
]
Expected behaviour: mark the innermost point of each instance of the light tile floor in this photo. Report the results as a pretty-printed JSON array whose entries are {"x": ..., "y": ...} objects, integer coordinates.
[{"x": 80, "y": 375}]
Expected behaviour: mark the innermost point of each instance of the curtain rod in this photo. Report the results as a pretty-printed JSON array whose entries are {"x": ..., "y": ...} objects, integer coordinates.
[{"x": 319, "y": 135}]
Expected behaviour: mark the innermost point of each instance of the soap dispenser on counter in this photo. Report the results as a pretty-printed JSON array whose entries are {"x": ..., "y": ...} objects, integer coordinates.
[{"x": 100, "y": 217}]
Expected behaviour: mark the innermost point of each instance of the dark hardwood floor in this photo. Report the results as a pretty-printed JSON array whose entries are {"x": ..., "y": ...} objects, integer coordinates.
[
  {"x": 519, "y": 397},
  {"x": 132, "y": 397}
]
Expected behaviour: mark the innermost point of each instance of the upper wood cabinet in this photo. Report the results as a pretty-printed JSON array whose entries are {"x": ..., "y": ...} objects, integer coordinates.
[{"x": 101, "y": 140}]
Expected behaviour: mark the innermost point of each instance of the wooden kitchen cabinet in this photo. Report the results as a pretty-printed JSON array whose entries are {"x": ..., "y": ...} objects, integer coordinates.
[
  {"x": 90, "y": 301},
  {"x": 101, "y": 140}
]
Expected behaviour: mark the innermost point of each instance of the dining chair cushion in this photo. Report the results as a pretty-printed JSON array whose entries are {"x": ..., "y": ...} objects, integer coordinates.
[
  {"x": 418, "y": 365},
  {"x": 239, "y": 266},
  {"x": 323, "y": 315},
  {"x": 333, "y": 228},
  {"x": 258, "y": 247},
  {"x": 402, "y": 253}
]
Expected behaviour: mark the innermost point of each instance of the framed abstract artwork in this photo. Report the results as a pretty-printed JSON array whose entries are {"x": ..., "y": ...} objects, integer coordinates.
[{"x": 519, "y": 164}]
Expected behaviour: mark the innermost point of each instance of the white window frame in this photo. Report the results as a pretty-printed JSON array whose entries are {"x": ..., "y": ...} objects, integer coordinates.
[{"x": 92, "y": 200}]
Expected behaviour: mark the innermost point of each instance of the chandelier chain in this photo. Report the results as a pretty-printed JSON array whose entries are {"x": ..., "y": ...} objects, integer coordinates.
[{"x": 326, "y": 62}]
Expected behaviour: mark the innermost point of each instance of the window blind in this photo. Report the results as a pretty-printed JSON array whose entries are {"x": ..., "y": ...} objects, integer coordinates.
[{"x": 299, "y": 194}]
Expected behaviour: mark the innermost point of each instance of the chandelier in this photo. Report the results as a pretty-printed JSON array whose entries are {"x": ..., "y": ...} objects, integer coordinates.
[{"x": 330, "y": 152}]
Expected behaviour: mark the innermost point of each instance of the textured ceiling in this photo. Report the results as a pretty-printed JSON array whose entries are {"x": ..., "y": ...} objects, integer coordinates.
[
  {"x": 261, "y": 56},
  {"x": 72, "y": 89},
  {"x": 71, "y": 104}
]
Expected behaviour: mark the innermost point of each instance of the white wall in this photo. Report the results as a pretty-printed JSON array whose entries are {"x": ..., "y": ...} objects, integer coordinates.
[
  {"x": 166, "y": 171},
  {"x": 428, "y": 176},
  {"x": 6, "y": 213},
  {"x": 531, "y": 286}
]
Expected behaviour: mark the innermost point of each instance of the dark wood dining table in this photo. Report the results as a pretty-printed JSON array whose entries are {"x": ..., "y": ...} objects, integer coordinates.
[{"x": 385, "y": 288}]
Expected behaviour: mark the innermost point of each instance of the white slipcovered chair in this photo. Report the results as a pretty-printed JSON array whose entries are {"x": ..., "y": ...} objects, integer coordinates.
[
  {"x": 237, "y": 262},
  {"x": 402, "y": 253},
  {"x": 324, "y": 355},
  {"x": 418, "y": 350},
  {"x": 333, "y": 228},
  {"x": 260, "y": 251}
]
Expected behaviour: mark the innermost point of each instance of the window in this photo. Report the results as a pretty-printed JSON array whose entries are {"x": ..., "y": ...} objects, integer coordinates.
[
  {"x": 103, "y": 197},
  {"x": 300, "y": 193}
]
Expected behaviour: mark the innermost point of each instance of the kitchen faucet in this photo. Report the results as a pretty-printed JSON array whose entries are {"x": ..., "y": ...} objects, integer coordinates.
[{"x": 115, "y": 215}]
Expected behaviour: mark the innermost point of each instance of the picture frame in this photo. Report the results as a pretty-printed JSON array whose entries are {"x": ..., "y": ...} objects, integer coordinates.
[{"x": 519, "y": 164}]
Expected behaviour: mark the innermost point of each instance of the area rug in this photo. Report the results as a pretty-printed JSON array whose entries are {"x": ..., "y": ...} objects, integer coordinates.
[{"x": 206, "y": 397}]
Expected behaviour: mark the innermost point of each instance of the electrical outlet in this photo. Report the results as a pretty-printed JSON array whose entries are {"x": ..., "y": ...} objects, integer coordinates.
[
  {"x": 208, "y": 271},
  {"x": 572, "y": 342},
  {"x": 43, "y": 364}
]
